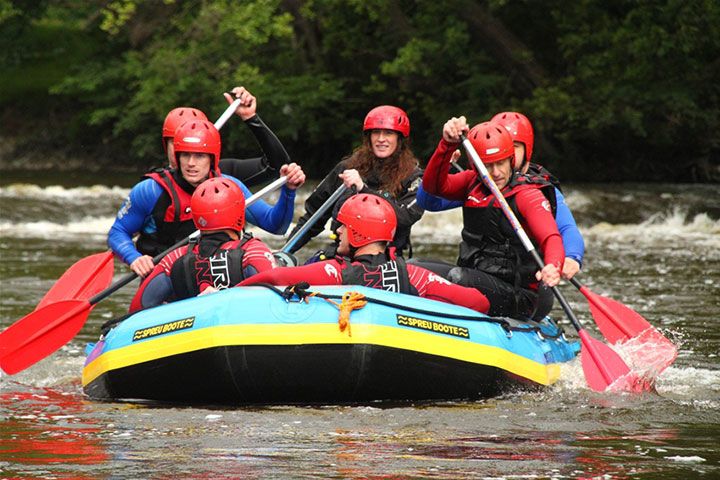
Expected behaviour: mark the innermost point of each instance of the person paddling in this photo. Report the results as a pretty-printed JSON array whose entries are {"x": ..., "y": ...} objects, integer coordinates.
[
  {"x": 223, "y": 256},
  {"x": 251, "y": 171},
  {"x": 383, "y": 165},
  {"x": 491, "y": 258},
  {"x": 158, "y": 208},
  {"x": 521, "y": 130},
  {"x": 367, "y": 225}
]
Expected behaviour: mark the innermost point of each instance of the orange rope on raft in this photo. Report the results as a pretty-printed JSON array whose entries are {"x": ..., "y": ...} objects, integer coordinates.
[{"x": 350, "y": 301}]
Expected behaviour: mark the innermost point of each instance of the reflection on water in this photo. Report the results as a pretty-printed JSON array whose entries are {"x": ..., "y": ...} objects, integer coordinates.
[
  {"x": 49, "y": 431},
  {"x": 655, "y": 248}
]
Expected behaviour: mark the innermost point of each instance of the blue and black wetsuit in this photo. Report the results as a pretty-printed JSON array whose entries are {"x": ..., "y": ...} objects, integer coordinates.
[{"x": 149, "y": 202}]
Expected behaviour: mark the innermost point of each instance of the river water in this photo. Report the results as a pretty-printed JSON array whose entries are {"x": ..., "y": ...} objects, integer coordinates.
[{"x": 656, "y": 248}]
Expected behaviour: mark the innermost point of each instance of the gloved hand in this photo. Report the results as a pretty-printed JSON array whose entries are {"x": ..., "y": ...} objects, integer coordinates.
[{"x": 319, "y": 256}]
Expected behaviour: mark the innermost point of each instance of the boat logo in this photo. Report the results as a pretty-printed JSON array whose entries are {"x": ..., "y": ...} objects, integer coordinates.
[
  {"x": 169, "y": 327},
  {"x": 433, "y": 326},
  {"x": 331, "y": 271}
]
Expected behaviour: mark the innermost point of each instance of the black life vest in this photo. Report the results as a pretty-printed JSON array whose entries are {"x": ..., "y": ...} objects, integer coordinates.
[
  {"x": 373, "y": 180},
  {"x": 384, "y": 271},
  {"x": 171, "y": 213},
  {"x": 221, "y": 268},
  {"x": 489, "y": 242},
  {"x": 535, "y": 169}
]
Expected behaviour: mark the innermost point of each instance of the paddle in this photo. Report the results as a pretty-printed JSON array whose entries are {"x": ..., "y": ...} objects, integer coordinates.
[
  {"x": 92, "y": 274},
  {"x": 314, "y": 217},
  {"x": 284, "y": 255},
  {"x": 622, "y": 325},
  {"x": 42, "y": 332},
  {"x": 82, "y": 280},
  {"x": 601, "y": 364}
]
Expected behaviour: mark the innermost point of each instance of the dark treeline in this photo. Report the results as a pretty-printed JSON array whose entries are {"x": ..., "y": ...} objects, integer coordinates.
[{"x": 617, "y": 89}]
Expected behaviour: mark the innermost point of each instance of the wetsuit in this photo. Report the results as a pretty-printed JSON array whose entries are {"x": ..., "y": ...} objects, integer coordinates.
[
  {"x": 573, "y": 242},
  {"x": 149, "y": 202},
  {"x": 384, "y": 271},
  {"x": 492, "y": 258},
  {"x": 253, "y": 171},
  {"x": 216, "y": 261},
  {"x": 406, "y": 209}
]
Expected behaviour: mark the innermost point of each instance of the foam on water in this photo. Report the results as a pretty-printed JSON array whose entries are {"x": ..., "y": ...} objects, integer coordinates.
[
  {"x": 96, "y": 227},
  {"x": 696, "y": 387},
  {"x": 27, "y": 190},
  {"x": 663, "y": 227}
]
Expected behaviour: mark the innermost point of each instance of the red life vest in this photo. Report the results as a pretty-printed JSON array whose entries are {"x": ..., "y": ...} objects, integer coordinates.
[{"x": 172, "y": 215}]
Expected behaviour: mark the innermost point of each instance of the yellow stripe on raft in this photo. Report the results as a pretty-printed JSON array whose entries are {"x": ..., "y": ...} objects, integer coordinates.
[{"x": 319, "y": 333}]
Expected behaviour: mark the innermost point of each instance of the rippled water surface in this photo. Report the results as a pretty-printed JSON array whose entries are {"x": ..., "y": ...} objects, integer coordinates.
[{"x": 656, "y": 248}]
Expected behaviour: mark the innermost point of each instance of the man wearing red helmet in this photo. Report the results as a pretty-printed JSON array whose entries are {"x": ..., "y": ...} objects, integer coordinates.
[
  {"x": 222, "y": 258},
  {"x": 521, "y": 130},
  {"x": 367, "y": 225},
  {"x": 492, "y": 258},
  {"x": 250, "y": 171},
  {"x": 383, "y": 165},
  {"x": 158, "y": 208}
]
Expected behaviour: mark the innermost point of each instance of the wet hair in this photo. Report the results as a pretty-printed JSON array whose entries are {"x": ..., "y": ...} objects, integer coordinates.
[{"x": 392, "y": 170}]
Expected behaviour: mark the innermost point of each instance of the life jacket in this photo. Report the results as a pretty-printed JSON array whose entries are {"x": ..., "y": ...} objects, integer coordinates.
[
  {"x": 402, "y": 240},
  {"x": 192, "y": 272},
  {"x": 171, "y": 213},
  {"x": 537, "y": 169},
  {"x": 489, "y": 242},
  {"x": 384, "y": 272}
]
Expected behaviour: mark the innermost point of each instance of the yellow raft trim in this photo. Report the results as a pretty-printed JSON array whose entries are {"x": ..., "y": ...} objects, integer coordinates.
[{"x": 320, "y": 333}]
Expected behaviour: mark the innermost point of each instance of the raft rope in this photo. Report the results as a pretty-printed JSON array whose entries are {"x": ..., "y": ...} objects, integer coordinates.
[
  {"x": 301, "y": 292},
  {"x": 350, "y": 301}
]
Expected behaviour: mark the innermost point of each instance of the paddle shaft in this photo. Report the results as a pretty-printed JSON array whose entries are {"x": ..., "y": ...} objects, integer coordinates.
[
  {"x": 519, "y": 230},
  {"x": 227, "y": 114},
  {"x": 131, "y": 276},
  {"x": 314, "y": 218}
]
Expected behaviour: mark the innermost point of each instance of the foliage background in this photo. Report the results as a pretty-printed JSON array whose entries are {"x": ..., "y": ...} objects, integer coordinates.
[{"x": 617, "y": 89}]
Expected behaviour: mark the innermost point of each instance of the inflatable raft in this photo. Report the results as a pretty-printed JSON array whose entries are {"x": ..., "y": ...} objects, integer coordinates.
[{"x": 253, "y": 346}]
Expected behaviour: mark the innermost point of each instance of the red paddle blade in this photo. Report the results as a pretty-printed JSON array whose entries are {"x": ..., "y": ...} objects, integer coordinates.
[
  {"x": 82, "y": 280},
  {"x": 604, "y": 369},
  {"x": 620, "y": 324},
  {"x": 40, "y": 333}
]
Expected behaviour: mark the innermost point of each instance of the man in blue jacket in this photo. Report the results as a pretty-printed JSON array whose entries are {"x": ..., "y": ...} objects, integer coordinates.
[{"x": 158, "y": 208}]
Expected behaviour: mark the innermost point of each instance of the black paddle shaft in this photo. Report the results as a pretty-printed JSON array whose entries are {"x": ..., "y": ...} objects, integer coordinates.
[{"x": 314, "y": 218}]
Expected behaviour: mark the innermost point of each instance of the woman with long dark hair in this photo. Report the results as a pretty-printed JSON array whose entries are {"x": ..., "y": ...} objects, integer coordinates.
[{"x": 383, "y": 165}]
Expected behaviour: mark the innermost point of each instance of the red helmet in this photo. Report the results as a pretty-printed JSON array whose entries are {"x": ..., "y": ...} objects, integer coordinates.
[
  {"x": 198, "y": 136},
  {"x": 217, "y": 204},
  {"x": 368, "y": 218},
  {"x": 491, "y": 141},
  {"x": 389, "y": 118},
  {"x": 520, "y": 129},
  {"x": 177, "y": 117}
]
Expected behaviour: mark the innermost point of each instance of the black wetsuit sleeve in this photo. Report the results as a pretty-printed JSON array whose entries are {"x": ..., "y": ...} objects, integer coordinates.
[
  {"x": 252, "y": 171},
  {"x": 316, "y": 199}
]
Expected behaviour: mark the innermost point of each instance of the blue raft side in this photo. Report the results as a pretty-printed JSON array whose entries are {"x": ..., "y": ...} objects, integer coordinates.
[{"x": 260, "y": 305}]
